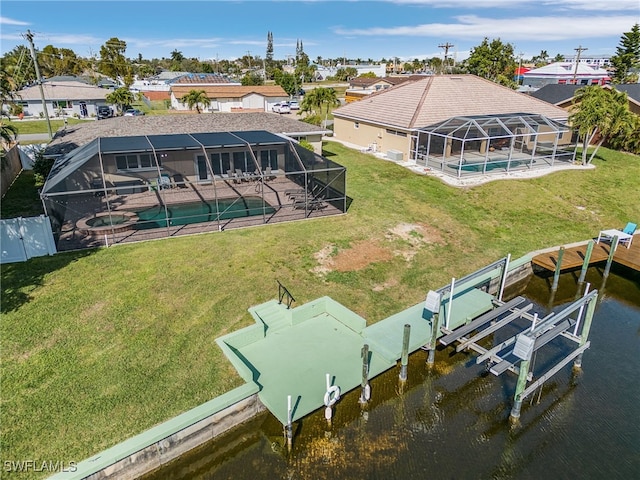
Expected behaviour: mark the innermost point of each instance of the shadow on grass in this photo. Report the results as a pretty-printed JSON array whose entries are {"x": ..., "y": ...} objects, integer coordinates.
[{"x": 21, "y": 278}]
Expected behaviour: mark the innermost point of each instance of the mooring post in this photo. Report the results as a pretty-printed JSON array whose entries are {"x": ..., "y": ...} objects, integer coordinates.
[
  {"x": 435, "y": 327},
  {"x": 612, "y": 251},
  {"x": 520, "y": 387},
  {"x": 289, "y": 427},
  {"x": 556, "y": 275},
  {"x": 365, "y": 394},
  {"x": 586, "y": 326},
  {"x": 585, "y": 264},
  {"x": 405, "y": 352}
]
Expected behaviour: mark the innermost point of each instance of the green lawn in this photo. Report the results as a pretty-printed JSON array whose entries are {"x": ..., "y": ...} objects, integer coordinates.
[
  {"x": 22, "y": 199},
  {"x": 40, "y": 126},
  {"x": 100, "y": 345}
]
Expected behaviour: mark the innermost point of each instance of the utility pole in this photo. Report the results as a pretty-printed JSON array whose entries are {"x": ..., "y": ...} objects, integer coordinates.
[
  {"x": 446, "y": 47},
  {"x": 29, "y": 37},
  {"x": 249, "y": 58},
  {"x": 580, "y": 49},
  {"x": 520, "y": 68}
]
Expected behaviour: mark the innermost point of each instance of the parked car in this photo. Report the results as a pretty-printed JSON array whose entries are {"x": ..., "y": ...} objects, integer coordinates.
[
  {"x": 281, "y": 107},
  {"x": 104, "y": 111},
  {"x": 133, "y": 112},
  {"x": 294, "y": 105}
]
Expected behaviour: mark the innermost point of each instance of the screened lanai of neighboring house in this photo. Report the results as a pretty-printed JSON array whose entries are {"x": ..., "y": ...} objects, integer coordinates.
[
  {"x": 475, "y": 145},
  {"x": 118, "y": 189}
]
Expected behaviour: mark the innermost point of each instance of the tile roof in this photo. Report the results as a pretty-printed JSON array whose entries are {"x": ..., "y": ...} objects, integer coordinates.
[
  {"x": 422, "y": 102},
  {"x": 78, "y": 135},
  {"x": 64, "y": 91},
  {"x": 231, "y": 91}
]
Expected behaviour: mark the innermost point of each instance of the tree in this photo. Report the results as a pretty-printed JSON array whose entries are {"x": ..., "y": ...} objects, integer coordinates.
[
  {"x": 8, "y": 132},
  {"x": 287, "y": 81},
  {"x": 195, "y": 98},
  {"x": 121, "y": 97},
  {"x": 494, "y": 61},
  {"x": 599, "y": 111},
  {"x": 252, "y": 78},
  {"x": 627, "y": 57},
  {"x": 112, "y": 61},
  {"x": 269, "y": 55},
  {"x": 315, "y": 99},
  {"x": 541, "y": 60}
]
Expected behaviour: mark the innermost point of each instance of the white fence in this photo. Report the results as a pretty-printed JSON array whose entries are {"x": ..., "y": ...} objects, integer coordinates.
[{"x": 23, "y": 238}]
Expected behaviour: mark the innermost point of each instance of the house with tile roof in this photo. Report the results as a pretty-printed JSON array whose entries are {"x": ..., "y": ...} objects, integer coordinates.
[
  {"x": 391, "y": 120},
  {"x": 232, "y": 98},
  {"x": 63, "y": 97},
  {"x": 565, "y": 73}
]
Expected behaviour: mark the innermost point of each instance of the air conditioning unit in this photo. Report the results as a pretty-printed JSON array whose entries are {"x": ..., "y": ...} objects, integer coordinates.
[{"x": 395, "y": 155}]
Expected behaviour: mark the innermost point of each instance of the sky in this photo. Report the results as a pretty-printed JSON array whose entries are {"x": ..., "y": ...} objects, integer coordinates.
[{"x": 406, "y": 29}]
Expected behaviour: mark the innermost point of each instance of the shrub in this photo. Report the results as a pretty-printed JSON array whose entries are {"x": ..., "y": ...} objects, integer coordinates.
[
  {"x": 41, "y": 167},
  {"x": 306, "y": 144},
  {"x": 313, "y": 120}
]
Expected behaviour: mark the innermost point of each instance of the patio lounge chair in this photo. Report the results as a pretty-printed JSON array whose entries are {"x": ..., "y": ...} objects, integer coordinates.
[
  {"x": 179, "y": 181},
  {"x": 624, "y": 236},
  {"x": 310, "y": 205},
  {"x": 241, "y": 175},
  {"x": 232, "y": 176},
  {"x": 269, "y": 174}
]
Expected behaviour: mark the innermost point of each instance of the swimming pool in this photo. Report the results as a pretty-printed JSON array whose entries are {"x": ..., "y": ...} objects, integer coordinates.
[{"x": 197, "y": 212}]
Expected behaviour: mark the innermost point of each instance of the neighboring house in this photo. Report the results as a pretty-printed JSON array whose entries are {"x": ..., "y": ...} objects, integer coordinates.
[
  {"x": 360, "y": 87},
  {"x": 232, "y": 98},
  {"x": 565, "y": 73},
  {"x": 390, "y": 120},
  {"x": 562, "y": 95},
  {"x": 159, "y": 86},
  {"x": 64, "y": 97}
]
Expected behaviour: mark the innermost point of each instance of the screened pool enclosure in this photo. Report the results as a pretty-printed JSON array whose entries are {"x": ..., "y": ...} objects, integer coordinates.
[
  {"x": 119, "y": 189},
  {"x": 476, "y": 145}
]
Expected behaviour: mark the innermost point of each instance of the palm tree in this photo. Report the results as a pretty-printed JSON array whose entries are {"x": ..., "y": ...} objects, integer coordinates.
[
  {"x": 121, "y": 97},
  {"x": 195, "y": 98},
  {"x": 599, "y": 111}
]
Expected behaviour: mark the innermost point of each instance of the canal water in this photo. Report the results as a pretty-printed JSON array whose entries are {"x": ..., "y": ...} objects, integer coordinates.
[{"x": 452, "y": 421}]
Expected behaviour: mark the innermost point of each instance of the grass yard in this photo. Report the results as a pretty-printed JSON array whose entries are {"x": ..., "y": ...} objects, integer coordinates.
[
  {"x": 100, "y": 345},
  {"x": 22, "y": 199},
  {"x": 40, "y": 126}
]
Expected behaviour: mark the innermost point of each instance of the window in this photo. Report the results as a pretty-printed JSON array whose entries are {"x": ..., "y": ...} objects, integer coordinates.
[
  {"x": 269, "y": 158},
  {"x": 221, "y": 162},
  {"x": 396, "y": 133},
  {"x": 142, "y": 161},
  {"x": 62, "y": 104}
]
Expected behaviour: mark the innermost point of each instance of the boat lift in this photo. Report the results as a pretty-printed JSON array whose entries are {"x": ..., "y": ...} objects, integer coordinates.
[{"x": 515, "y": 353}]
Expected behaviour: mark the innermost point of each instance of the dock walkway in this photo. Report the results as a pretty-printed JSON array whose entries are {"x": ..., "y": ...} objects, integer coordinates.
[{"x": 574, "y": 257}]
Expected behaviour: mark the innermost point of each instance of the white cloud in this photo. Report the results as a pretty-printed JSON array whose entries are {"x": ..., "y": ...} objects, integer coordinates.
[
  {"x": 11, "y": 21},
  {"x": 508, "y": 29},
  {"x": 588, "y": 5}
]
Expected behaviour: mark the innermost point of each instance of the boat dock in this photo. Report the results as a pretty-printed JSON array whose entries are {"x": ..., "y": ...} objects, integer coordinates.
[{"x": 574, "y": 257}]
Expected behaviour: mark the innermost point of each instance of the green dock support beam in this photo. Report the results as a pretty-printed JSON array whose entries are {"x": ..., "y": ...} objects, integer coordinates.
[
  {"x": 556, "y": 275},
  {"x": 405, "y": 352},
  {"x": 520, "y": 387},
  {"x": 435, "y": 328},
  {"x": 586, "y": 327},
  {"x": 587, "y": 261},
  {"x": 612, "y": 251}
]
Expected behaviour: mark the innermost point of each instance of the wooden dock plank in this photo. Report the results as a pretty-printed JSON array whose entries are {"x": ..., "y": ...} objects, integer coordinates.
[{"x": 574, "y": 257}]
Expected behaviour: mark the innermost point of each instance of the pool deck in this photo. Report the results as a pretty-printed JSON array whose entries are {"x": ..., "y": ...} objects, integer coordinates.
[{"x": 290, "y": 351}]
